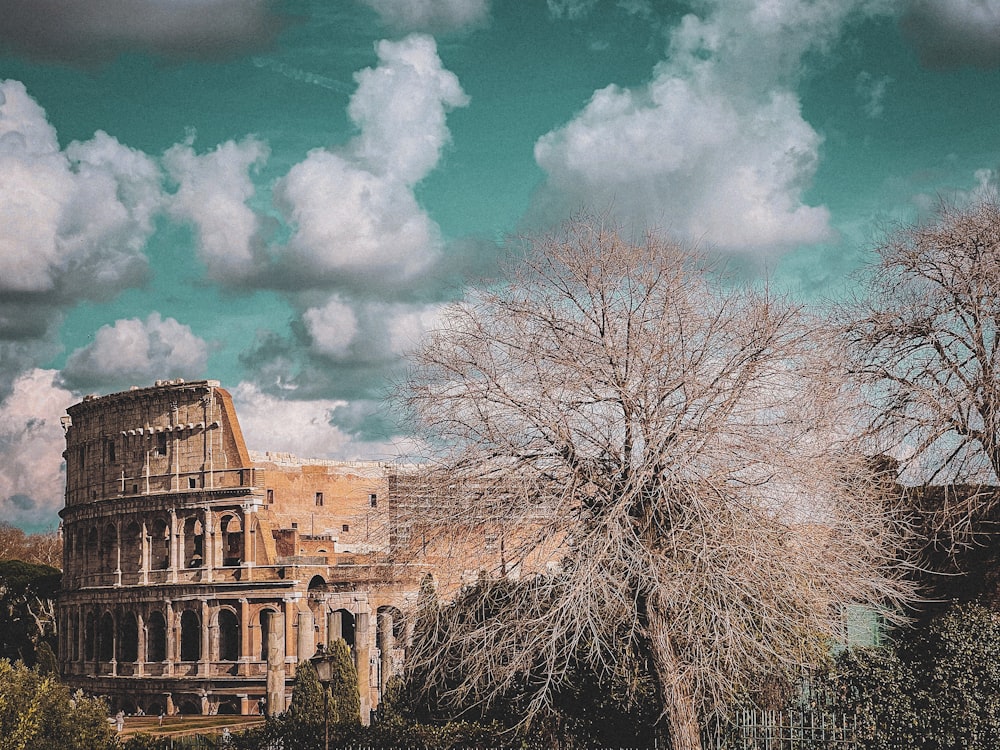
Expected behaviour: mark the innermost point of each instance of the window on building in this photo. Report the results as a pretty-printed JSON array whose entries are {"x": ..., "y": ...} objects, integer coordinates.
[
  {"x": 319, "y": 498},
  {"x": 270, "y": 497},
  {"x": 346, "y": 527},
  {"x": 192, "y": 483},
  {"x": 111, "y": 451},
  {"x": 161, "y": 444},
  {"x": 373, "y": 500}
]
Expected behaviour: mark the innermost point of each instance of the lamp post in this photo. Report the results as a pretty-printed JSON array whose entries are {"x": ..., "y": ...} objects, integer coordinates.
[{"x": 324, "y": 671}]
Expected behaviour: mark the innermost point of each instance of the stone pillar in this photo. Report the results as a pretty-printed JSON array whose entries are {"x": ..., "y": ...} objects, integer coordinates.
[
  {"x": 144, "y": 555},
  {"x": 206, "y": 645},
  {"x": 245, "y": 641},
  {"x": 334, "y": 626},
  {"x": 385, "y": 646},
  {"x": 175, "y": 546},
  {"x": 208, "y": 545},
  {"x": 362, "y": 654},
  {"x": 290, "y": 623},
  {"x": 118, "y": 554},
  {"x": 140, "y": 657},
  {"x": 171, "y": 654},
  {"x": 306, "y": 640},
  {"x": 249, "y": 551},
  {"x": 275, "y": 663}
]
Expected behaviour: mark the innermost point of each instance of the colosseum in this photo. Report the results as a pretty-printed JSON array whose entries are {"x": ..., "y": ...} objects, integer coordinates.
[{"x": 198, "y": 574}]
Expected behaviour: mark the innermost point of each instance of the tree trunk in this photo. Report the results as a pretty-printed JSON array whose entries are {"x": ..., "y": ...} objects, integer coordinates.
[{"x": 678, "y": 697}]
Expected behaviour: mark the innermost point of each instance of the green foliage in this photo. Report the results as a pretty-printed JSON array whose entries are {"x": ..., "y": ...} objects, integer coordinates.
[
  {"x": 306, "y": 707},
  {"x": 936, "y": 687},
  {"x": 27, "y": 601},
  {"x": 37, "y": 712},
  {"x": 345, "y": 700}
]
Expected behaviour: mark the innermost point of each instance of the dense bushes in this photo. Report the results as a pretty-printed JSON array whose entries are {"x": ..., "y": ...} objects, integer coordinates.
[{"x": 936, "y": 687}]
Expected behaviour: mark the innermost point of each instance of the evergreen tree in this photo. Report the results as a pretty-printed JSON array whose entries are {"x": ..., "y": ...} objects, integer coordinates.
[
  {"x": 345, "y": 700},
  {"x": 307, "y": 696}
]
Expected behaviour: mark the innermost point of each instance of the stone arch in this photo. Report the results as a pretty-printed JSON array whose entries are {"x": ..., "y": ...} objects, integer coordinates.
[
  {"x": 194, "y": 543},
  {"x": 131, "y": 559},
  {"x": 106, "y": 638},
  {"x": 74, "y": 636},
  {"x": 156, "y": 637},
  {"x": 232, "y": 540},
  {"x": 228, "y": 625},
  {"x": 188, "y": 706},
  {"x": 108, "y": 561},
  {"x": 127, "y": 641},
  {"x": 90, "y": 636},
  {"x": 318, "y": 583},
  {"x": 159, "y": 545},
  {"x": 190, "y": 636},
  {"x": 228, "y": 707},
  {"x": 93, "y": 551}
]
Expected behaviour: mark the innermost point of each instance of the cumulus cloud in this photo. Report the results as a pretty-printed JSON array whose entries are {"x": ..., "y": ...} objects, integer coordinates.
[
  {"x": 90, "y": 31},
  {"x": 715, "y": 147},
  {"x": 332, "y": 327},
  {"x": 954, "y": 33},
  {"x": 73, "y": 222},
  {"x": 431, "y": 15},
  {"x": 353, "y": 211},
  {"x": 135, "y": 351},
  {"x": 32, "y": 473},
  {"x": 213, "y": 189}
]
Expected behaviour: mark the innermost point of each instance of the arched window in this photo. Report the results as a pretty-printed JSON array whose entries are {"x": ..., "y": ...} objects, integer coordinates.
[
  {"x": 156, "y": 638},
  {"x": 232, "y": 541},
  {"x": 190, "y": 636},
  {"x": 93, "y": 551},
  {"x": 90, "y": 637},
  {"x": 347, "y": 626},
  {"x": 159, "y": 545},
  {"x": 229, "y": 636},
  {"x": 128, "y": 638},
  {"x": 132, "y": 549},
  {"x": 106, "y": 638},
  {"x": 194, "y": 543},
  {"x": 266, "y": 617},
  {"x": 109, "y": 549}
]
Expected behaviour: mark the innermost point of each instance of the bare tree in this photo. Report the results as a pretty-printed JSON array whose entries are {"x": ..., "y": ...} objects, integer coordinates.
[
  {"x": 925, "y": 343},
  {"x": 668, "y": 465}
]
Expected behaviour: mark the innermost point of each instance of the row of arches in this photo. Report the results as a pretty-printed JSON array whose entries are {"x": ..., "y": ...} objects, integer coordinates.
[{"x": 133, "y": 546}]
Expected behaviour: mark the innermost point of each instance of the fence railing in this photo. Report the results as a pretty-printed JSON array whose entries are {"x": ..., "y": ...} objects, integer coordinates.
[{"x": 793, "y": 729}]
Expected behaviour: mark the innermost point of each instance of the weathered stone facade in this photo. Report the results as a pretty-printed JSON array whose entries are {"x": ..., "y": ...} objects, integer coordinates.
[{"x": 197, "y": 575}]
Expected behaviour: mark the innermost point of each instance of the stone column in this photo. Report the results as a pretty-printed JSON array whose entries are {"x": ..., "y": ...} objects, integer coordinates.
[
  {"x": 385, "y": 646},
  {"x": 362, "y": 654},
  {"x": 275, "y": 663},
  {"x": 245, "y": 641},
  {"x": 118, "y": 554},
  {"x": 171, "y": 654},
  {"x": 249, "y": 553},
  {"x": 175, "y": 546},
  {"x": 208, "y": 545},
  {"x": 206, "y": 650},
  {"x": 306, "y": 640},
  {"x": 140, "y": 657},
  {"x": 290, "y": 623},
  {"x": 334, "y": 626},
  {"x": 144, "y": 555}
]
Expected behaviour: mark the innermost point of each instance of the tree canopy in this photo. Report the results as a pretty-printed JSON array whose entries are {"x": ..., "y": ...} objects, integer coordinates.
[{"x": 668, "y": 463}]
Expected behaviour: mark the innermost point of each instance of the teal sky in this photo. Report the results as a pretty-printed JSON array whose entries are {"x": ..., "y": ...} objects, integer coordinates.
[{"x": 281, "y": 195}]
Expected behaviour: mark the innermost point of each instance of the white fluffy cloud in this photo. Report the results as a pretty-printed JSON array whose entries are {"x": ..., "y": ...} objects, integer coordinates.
[
  {"x": 954, "y": 33},
  {"x": 431, "y": 15},
  {"x": 32, "y": 473},
  {"x": 407, "y": 325},
  {"x": 300, "y": 427},
  {"x": 213, "y": 189},
  {"x": 87, "y": 31},
  {"x": 332, "y": 327},
  {"x": 715, "y": 147},
  {"x": 354, "y": 211},
  {"x": 72, "y": 223},
  {"x": 135, "y": 352}
]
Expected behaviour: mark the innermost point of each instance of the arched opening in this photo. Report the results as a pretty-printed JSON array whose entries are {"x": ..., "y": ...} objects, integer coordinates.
[
  {"x": 347, "y": 626},
  {"x": 188, "y": 706},
  {"x": 79, "y": 552},
  {"x": 93, "y": 551},
  {"x": 389, "y": 630},
  {"x": 156, "y": 637},
  {"x": 190, "y": 636},
  {"x": 106, "y": 638},
  {"x": 74, "y": 636},
  {"x": 232, "y": 541},
  {"x": 194, "y": 543},
  {"x": 159, "y": 545},
  {"x": 229, "y": 635},
  {"x": 228, "y": 708},
  {"x": 128, "y": 638},
  {"x": 90, "y": 637},
  {"x": 109, "y": 549},
  {"x": 132, "y": 549},
  {"x": 318, "y": 583}
]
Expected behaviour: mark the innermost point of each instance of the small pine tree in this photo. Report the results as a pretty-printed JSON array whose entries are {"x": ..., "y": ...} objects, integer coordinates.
[
  {"x": 306, "y": 707},
  {"x": 345, "y": 700}
]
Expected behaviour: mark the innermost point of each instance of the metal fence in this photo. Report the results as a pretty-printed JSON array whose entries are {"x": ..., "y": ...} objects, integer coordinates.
[{"x": 796, "y": 729}]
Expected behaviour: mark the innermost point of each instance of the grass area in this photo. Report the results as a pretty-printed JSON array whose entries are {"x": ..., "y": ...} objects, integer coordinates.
[{"x": 179, "y": 726}]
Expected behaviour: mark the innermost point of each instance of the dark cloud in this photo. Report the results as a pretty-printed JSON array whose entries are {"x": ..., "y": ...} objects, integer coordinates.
[
  {"x": 954, "y": 33},
  {"x": 366, "y": 420},
  {"x": 92, "y": 31},
  {"x": 22, "y": 502}
]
